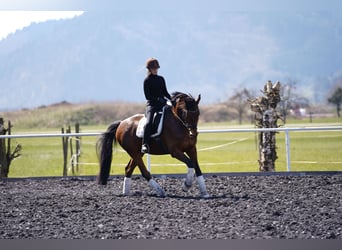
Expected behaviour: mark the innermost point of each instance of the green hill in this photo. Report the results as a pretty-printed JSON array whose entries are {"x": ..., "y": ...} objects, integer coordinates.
[
  {"x": 64, "y": 113},
  {"x": 103, "y": 113}
]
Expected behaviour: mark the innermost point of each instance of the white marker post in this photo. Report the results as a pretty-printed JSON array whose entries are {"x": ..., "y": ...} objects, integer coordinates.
[{"x": 148, "y": 157}]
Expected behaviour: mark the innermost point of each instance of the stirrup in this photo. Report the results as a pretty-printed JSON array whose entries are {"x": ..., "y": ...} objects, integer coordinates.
[{"x": 145, "y": 149}]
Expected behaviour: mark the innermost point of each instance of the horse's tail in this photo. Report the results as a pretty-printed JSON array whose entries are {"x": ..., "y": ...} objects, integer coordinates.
[{"x": 104, "y": 149}]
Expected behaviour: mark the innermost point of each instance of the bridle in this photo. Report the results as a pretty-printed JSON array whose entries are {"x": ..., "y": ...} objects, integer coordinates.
[{"x": 190, "y": 127}]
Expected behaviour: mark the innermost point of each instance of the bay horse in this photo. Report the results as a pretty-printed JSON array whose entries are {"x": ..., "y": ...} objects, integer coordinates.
[{"x": 178, "y": 138}]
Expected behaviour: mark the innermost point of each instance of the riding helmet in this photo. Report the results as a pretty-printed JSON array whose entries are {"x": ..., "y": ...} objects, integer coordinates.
[{"x": 152, "y": 63}]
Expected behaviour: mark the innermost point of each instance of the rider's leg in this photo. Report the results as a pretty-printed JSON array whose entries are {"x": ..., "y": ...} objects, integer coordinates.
[{"x": 147, "y": 132}]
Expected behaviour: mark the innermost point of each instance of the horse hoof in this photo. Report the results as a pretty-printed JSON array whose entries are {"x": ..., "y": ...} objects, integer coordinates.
[
  {"x": 163, "y": 195},
  {"x": 205, "y": 195},
  {"x": 186, "y": 187},
  {"x": 159, "y": 190}
]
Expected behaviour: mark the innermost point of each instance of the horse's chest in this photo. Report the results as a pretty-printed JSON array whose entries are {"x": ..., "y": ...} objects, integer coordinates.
[{"x": 189, "y": 142}]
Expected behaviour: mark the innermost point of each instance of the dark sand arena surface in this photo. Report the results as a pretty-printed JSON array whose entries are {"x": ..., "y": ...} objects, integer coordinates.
[{"x": 241, "y": 207}]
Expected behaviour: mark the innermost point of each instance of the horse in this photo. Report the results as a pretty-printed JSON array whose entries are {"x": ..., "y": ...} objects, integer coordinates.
[{"x": 178, "y": 138}]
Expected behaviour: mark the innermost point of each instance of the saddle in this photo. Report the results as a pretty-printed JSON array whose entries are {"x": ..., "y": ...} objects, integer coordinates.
[{"x": 157, "y": 124}]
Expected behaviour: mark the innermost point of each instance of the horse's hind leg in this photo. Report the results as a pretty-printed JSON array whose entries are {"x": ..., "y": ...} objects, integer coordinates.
[
  {"x": 187, "y": 184},
  {"x": 147, "y": 175},
  {"x": 126, "y": 190}
]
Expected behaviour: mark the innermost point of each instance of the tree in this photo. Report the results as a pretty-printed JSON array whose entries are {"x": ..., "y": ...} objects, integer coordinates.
[
  {"x": 266, "y": 116},
  {"x": 287, "y": 97},
  {"x": 336, "y": 99},
  {"x": 6, "y": 156},
  {"x": 240, "y": 102},
  {"x": 291, "y": 100}
]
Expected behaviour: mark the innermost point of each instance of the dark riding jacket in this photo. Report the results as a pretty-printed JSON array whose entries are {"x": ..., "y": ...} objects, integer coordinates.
[
  {"x": 155, "y": 90},
  {"x": 155, "y": 93}
]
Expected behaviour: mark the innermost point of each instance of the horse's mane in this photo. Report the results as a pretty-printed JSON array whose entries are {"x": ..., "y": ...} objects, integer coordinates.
[
  {"x": 179, "y": 95},
  {"x": 186, "y": 101}
]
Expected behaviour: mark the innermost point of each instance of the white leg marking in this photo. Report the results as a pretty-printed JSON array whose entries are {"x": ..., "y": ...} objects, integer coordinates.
[
  {"x": 127, "y": 186},
  {"x": 189, "y": 179},
  {"x": 203, "y": 189},
  {"x": 160, "y": 191}
]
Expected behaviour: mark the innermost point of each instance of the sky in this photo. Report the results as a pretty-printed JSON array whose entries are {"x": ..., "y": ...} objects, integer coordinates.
[
  {"x": 11, "y": 21},
  {"x": 17, "y": 14},
  {"x": 189, "y": 5}
]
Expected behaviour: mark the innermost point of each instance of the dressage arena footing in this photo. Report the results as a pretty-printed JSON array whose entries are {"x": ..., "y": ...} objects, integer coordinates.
[
  {"x": 162, "y": 176},
  {"x": 257, "y": 205}
]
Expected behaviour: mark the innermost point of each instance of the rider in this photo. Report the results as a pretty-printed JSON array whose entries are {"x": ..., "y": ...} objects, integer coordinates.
[{"x": 155, "y": 93}]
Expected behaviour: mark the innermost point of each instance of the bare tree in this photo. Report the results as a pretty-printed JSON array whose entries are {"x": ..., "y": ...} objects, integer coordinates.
[
  {"x": 287, "y": 97},
  {"x": 336, "y": 98},
  {"x": 6, "y": 156},
  {"x": 240, "y": 102},
  {"x": 290, "y": 100},
  {"x": 266, "y": 116}
]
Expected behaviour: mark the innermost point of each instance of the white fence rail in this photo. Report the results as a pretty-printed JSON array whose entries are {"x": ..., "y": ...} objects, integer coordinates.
[{"x": 283, "y": 129}]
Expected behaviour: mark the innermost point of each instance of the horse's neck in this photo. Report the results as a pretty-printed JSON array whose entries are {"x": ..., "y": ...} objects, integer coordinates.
[
  {"x": 175, "y": 117},
  {"x": 173, "y": 112}
]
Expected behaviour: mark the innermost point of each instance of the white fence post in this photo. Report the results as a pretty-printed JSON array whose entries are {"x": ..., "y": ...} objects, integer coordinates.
[
  {"x": 148, "y": 157},
  {"x": 287, "y": 143}
]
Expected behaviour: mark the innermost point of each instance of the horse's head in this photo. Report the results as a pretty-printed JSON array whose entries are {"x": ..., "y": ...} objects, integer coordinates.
[{"x": 185, "y": 108}]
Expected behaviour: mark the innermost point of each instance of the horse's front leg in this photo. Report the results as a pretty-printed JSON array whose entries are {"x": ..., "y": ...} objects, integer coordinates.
[
  {"x": 192, "y": 165},
  {"x": 179, "y": 155},
  {"x": 200, "y": 179}
]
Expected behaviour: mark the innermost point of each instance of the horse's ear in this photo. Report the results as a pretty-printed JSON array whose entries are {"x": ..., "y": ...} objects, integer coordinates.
[{"x": 198, "y": 99}]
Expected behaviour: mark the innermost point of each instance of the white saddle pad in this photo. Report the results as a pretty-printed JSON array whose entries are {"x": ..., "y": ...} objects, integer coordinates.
[
  {"x": 142, "y": 124},
  {"x": 141, "y": 127}
]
